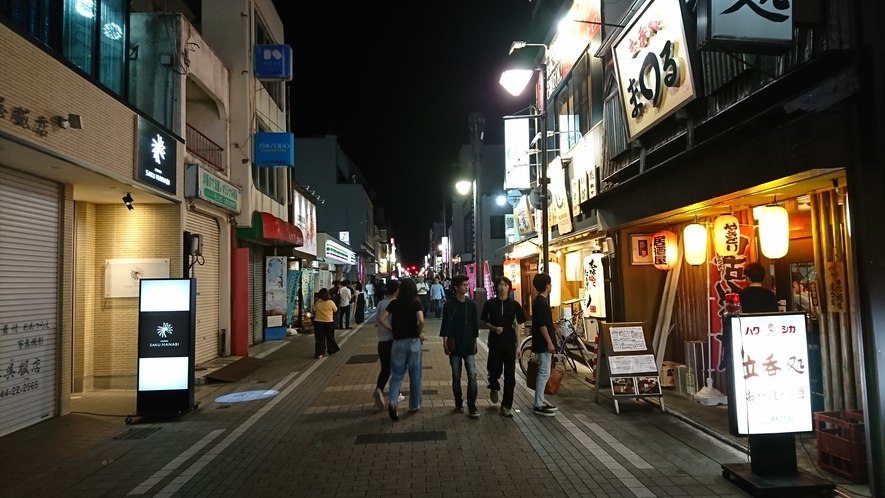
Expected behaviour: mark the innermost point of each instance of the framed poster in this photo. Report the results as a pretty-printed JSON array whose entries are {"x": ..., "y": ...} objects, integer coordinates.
[{"x": 640, "y": 249}]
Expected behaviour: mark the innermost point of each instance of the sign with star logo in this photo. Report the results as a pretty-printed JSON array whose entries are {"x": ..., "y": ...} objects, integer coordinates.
[{"x": 156, "y": 158}]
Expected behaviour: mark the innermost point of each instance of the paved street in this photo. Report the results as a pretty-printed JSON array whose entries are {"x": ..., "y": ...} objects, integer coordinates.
[{"x": 321, "y": 436}]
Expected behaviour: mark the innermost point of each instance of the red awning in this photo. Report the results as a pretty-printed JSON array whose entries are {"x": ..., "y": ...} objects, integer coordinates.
[
  {"x": 278, "y": 230},
  {"x": 267, "y": 228}
]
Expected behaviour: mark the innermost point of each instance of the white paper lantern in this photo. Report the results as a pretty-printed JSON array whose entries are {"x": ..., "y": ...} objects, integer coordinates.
[
  {"x": 694, "y": 238},
  {"x": 774, "y": 232},
  {"x": 556, "y": 284},
  {"x": 727, "y": 235},
  {"x": 573, "y": 270}
]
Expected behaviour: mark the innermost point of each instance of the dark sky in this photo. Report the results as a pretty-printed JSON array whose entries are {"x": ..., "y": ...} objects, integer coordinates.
[{"x": 395, "y": 81}]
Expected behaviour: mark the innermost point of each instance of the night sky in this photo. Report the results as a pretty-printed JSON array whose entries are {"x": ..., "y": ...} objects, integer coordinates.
[{"x": 395, "y": 81}]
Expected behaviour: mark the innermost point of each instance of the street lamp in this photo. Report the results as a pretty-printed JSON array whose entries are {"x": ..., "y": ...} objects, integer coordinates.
[
  {"x": 515, "y": 81},
  {"x": 463, "y": 186},
  {"x": 501, "y": 200}
]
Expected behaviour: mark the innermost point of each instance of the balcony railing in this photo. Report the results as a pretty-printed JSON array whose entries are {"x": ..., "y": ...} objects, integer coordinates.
[{"x": 204, "y": 148}]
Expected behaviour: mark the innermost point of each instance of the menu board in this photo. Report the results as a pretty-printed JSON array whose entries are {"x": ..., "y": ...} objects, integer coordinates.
[
  {"x": 628, "y": 339},
  {"x": 621, "y": 365}
]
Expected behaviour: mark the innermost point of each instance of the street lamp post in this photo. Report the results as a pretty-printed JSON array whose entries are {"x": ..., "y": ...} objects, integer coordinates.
[{"x": 515, "y": 81}]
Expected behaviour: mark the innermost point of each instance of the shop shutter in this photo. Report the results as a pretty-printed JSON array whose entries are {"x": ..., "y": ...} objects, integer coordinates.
[
  {"x": 207, "y": 274},
  {"x": 256, "y": 293},
  {"x": 29, "y": 265}
]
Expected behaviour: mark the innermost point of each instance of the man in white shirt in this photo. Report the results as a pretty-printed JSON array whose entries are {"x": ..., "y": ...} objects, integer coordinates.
[
  {"x": 370, "y": 295},
  {"x": 344, "y": 299},
  {"x": 437, "y": 297},
  {"x": 423, "y": 289}
]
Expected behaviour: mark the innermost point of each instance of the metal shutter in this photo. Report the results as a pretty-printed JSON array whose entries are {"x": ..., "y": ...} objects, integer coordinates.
[
  {"x": 29, "y": 265},
  {"x": 256, "y": 293},
  {"x": 207, "y": 274}
]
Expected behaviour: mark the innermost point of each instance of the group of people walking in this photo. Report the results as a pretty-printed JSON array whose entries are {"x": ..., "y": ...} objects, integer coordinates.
[{"x": 401, "y": 321}]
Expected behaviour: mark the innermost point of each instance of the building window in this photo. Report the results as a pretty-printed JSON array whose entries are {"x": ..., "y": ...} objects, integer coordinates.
[
  {"x": 496, "y": 227},
  {"x": 34, "y": 16},
  {"x": 112, "y": 45},
  {"x": 79, "y": 33},
  {"x": 276, "y": 89},
  {"x": 270, "y": 181}
]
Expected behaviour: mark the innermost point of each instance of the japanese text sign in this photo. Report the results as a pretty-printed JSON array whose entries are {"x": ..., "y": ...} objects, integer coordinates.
[
  {"x": 772, "y": 391},
  {"x": 593, "y": 301},
  {"x": 653, "y": 66},
  {"x": 517, "y": 168},
  {"x": 751, "y": 26}
]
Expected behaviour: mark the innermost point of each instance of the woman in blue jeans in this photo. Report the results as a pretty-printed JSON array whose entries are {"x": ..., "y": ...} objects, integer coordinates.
[{"x": 407, "y": 325}]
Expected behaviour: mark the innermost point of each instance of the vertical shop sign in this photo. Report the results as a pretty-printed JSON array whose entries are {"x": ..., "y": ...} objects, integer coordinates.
[
  {"x": 726, "y": 277},
  {"x": 835, "y": 283},
  {"x": 513, "y": 271},
  {"x": 593, "y": 300},
  {"x": 470, "y": 270}
]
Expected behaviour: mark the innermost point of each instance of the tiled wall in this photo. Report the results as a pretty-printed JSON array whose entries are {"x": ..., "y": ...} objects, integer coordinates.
[{"x": 107, "y": 329}]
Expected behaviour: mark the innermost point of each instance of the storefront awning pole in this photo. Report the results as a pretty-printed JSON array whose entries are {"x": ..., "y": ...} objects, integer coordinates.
[{"x": 709, "y": 331}]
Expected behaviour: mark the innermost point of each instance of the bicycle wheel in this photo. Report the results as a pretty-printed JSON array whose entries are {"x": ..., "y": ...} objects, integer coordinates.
[{"x": 527, "y": 355}]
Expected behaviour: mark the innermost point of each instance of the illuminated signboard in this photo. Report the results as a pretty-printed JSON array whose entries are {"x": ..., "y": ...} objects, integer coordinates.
[
  {"x": 339, "y": 254},
  {"x": 768, "y": 369}
]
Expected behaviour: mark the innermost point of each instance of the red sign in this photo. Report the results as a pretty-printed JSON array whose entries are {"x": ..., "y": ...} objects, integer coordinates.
[{"x": 280, "y": 231}]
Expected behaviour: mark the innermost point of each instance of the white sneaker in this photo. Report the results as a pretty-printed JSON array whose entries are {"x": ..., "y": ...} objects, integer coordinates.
[
  {"x": 379, "y": 399},
  {"x": 401, "y": 398}
]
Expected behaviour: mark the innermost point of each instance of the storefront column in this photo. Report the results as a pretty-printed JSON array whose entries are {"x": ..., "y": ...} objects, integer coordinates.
[{"x": 867, "y": 205}]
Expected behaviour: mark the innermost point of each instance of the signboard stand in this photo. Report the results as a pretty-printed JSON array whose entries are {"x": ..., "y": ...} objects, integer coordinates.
[
  {"x": 626, "y": 362},
  {"x": 167, "y": 318},
  {"x": 769, "y": 400}
]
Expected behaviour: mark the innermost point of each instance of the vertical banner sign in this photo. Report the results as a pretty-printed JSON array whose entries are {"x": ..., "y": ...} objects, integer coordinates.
[
  {"x": 167, "y": 323},
  {"x": 835, "y": 283},
  {"x": 653, "y": 65},
  {"x": 562, "y": 210},
  {"x": 487, "y": 278},
  {"x": 593, "y": 301},
  {"x": 726, "y": 276},
  {"x": 513, "y": 271},
  {"x": 772, "y": 390},
  {"x": 470, "y": 270},
  {"x": 517, "y": 172},
  {"x": 294, "y": 290},
  {"x": 275, "y": 291}
]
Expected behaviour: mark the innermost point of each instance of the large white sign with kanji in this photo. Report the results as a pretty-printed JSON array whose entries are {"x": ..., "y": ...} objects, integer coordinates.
[{"x": 771, "y": 378}]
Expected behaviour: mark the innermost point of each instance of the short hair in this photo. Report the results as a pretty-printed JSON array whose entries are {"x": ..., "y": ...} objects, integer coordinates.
[
  {"x": 345, "y": 282},
  {"x": 541, "y": 281},
  {"x": 755, "y": 272},
  {"x": 391, "y": 288},
  {"x": 457, "y": 280},
  {"x": 336, "y": 282},
  {"x": 505, "y": 280}
]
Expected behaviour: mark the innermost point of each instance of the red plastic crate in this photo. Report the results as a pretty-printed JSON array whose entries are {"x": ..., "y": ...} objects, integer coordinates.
[{"x": 841, "y": 444}]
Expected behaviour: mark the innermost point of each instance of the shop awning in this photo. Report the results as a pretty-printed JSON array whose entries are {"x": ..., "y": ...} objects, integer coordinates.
[{"x": 267, "y": 229}]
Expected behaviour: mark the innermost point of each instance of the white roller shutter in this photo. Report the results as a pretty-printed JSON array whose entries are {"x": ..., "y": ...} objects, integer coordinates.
[
  {"x": 256, "y": 293},
  {"x": 207, "y": 274},
  {"x": 29, "y": 263}
]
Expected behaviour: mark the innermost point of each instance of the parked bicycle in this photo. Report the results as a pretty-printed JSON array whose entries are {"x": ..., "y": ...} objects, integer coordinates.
[{"x": 566, "y": 338}]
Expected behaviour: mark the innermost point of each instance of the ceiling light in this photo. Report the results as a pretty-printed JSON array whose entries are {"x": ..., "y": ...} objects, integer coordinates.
[{"x": 127, "y": 200}]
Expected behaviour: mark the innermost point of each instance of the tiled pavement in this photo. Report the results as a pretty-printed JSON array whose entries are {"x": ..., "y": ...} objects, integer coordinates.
[{"x": 321, "y": 436}]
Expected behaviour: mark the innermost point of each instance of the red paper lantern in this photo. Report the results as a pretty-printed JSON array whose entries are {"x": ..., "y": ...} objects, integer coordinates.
[{"x": 665, "y": 249}]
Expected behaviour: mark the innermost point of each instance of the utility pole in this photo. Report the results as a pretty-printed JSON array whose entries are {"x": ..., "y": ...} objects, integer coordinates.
[{"x": 477, "y": 122}]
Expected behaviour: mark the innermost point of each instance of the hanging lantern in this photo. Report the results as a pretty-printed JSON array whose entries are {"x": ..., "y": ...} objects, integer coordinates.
[
  {"x": 694, "y": 238},
  {"x": 665, "y": 249},
  {"x": 726, "y": 235},
  {"x": 774, "y": 232},
  {"x": 556, "y": 284}
]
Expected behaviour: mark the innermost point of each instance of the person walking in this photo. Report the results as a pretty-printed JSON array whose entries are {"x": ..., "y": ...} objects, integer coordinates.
[
  {"x": 407, "y": 326},
  {"x": 385, "y": 345},
  {"x": 370, "y": 294},
  {"x": 503, "y": 317},
  {"x": 324, "y": 326},
  {"x": 333, "y": 294},
  {"x": 359, "y": 315},
  {"x": 423, "y": 290},
  {"x": 542, "y": 341},
  {"x": 344, "y": 300},
  {"x": 460, "y": 328},
  {"x": 437, "y": 297}
]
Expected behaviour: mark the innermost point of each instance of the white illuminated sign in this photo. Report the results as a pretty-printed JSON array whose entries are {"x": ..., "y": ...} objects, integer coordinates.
[
  {"x": 344, "y": 237},
  {"x": 162, "y": 374},
  {"x": 165, "y": 295},
  {"x": 593, "y": 299},
  {"x": 772, "y": 388},
  {"x": 339, "y": 253},
  {"x": 517, "y": 169}
]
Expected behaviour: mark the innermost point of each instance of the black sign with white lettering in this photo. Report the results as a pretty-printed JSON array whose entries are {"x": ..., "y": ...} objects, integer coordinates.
[{"x": 155, "y": 157}]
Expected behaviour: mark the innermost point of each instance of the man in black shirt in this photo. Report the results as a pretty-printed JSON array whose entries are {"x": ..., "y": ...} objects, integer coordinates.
[
  {"x": 502, "y": 316},
  {"x": 542, "y": 341},
  {"x": 460, "y": 328},
  {"x": 755, "y": 298}
]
